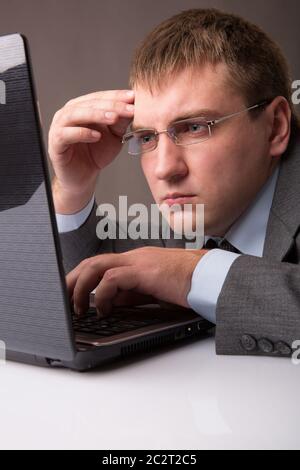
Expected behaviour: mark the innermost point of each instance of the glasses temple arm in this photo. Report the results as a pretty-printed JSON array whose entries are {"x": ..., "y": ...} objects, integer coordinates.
[{"x": 216, "y": 121}]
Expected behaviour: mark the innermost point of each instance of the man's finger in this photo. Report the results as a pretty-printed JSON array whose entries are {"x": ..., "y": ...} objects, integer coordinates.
[
  {"x": 87, "y": 278},
  {"x": 122, "y": 95},
  {"x": 124, "y": 278},
  {"x": 72, "y": 276}
]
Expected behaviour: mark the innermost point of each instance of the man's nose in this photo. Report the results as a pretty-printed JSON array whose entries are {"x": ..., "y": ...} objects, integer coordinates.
[{"x": 170, "y": 164}]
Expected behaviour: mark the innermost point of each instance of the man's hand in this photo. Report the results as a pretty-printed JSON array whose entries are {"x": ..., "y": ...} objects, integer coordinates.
[
  {"x": 83, "y": 140},
  {"x": 162, "y": 273}
]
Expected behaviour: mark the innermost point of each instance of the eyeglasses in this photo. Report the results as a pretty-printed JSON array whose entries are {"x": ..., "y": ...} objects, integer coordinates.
[{"x": 185, "y": 132}]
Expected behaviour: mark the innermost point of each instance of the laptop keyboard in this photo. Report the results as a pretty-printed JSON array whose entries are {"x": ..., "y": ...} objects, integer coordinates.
[{"x": 115, "y": 324}]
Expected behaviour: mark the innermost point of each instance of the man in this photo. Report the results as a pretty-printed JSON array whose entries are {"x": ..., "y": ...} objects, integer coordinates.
[{"x": 244, "y": 169}]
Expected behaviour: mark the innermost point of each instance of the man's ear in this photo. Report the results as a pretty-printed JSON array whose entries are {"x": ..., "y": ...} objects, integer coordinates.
[{"x": 279, "y": 114}]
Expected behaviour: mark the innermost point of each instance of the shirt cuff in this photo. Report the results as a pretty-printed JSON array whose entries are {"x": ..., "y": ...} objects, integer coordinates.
[
  {"x": 69, "y": 222},
  {"x": 207, "y": 282}
]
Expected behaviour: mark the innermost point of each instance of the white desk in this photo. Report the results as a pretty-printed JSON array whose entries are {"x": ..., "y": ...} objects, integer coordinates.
[{"x": 183, "y": 398}]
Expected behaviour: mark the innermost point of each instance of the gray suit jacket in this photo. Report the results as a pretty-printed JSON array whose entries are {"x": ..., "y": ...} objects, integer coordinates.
[{"x": 258, "y": 309}]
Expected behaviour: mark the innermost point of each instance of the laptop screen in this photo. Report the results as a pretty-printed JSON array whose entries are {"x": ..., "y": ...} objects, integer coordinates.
[{"x": 34, "y": 315}]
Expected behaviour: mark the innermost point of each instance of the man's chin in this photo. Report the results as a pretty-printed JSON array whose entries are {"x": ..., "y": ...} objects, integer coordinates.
[{"x": 186, "y": 223}]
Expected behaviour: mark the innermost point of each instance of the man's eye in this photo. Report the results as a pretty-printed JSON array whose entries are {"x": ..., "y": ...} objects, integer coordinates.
[
  {"x": 146, "y": 139},
  {"x": 196, "y": 127}
]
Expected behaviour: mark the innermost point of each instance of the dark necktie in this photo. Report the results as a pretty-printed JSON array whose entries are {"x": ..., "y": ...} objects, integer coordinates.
[{"x": 224, "y": 245}]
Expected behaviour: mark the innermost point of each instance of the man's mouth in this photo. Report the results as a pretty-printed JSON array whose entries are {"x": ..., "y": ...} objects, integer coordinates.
[{"x": 178, "y": 198}]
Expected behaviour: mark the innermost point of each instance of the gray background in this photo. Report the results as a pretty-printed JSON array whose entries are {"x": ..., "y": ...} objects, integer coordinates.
[{"x": 82, "y": 46}]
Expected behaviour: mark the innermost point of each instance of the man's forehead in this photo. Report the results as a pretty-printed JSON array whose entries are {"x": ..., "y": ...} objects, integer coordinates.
[
  {"x": 152, "y": 123},
  {"x": 202, "y": 93}
]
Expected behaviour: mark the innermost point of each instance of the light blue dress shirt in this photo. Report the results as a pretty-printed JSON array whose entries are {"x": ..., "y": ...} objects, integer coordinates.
[
  {"x": 69, "y": 222},
  {"x": 247, "y": 234}
]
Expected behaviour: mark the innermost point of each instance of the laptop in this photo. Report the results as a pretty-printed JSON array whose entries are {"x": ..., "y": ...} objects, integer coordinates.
[{"x": 37, "y": 324}]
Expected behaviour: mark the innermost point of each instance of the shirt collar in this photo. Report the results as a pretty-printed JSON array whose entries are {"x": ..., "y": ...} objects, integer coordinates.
[{"x": 248, "y": 233}]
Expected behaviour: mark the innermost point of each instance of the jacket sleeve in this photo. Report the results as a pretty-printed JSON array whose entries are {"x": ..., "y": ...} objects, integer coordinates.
[
  {"x": 76, "y": 245},
  {"x": 81, "y": 243},
  {"x": 258, "y": 309}
]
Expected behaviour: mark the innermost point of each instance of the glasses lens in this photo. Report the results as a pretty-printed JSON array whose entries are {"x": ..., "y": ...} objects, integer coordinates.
[
  {"x": 141, "y": 141},
  {"x": 191, "y": 131}
]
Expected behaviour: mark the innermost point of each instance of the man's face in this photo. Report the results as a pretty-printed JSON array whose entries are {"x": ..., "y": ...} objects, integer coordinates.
[{"x": 224, "y": 172}]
